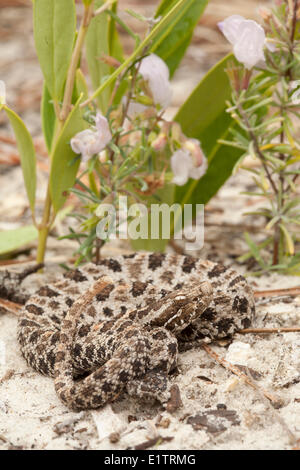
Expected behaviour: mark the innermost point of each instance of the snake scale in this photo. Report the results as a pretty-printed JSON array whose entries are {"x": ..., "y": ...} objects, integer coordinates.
[{"x": 117, "y": 326}]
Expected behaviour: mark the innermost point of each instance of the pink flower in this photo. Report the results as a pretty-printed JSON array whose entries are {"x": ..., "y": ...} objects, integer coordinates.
[
  {"x": 188, "y": 163},
  {"x": 247, "y": 37},
  {"x": 155, "y": 71},
  {"x": 90, "y": 142}
]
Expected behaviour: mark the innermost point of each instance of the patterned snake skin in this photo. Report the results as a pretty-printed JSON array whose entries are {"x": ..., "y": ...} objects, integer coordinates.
[{"x": 103, "y": 329}]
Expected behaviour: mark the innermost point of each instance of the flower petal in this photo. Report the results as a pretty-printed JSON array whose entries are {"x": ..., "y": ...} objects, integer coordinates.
[
  {"x": 181, "y": 164},
  {"x": 247, "y": 37},
  {"x": 155, "y": 71},
  {"x": 102, "y": 126},
  {"x": 198, "y": 172},
  {"x": 249, "y": 49},
  {"x": 230, "y": 27}
]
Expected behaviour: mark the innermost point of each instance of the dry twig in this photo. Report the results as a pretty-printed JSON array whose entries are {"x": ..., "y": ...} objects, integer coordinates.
[
  {"x": 292, "y": 291},
  {"x": 266, "y": 331},
  {"x": 276, "y": 401},
  {"x": 11, "y": 307}
]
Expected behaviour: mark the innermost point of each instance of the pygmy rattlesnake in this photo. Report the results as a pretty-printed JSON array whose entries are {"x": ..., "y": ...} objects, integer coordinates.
[{"x": 116, "y": 326}]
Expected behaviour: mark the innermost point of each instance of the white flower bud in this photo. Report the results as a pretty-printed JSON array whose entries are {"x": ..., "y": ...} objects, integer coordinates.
[
  {"x": 91, "y": 142},
  {"x": 155, "y": 71},
  {"x": 160, "y": 142},
  {"x": 2, "y": 92},
  {"x": 247, "y": 37}
]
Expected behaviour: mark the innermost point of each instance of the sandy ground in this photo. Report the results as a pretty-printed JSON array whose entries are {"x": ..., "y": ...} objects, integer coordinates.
[{"x": 219, "y": 410}]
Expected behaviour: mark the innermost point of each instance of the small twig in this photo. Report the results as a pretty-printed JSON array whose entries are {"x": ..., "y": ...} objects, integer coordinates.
[
  {"x": 269, "y": 330},
  {"x": 104, "y": 7},
  {"x": 9, "y": 262},
  {"x": 276, "y": 402},
  {"x": 156, "y": 441},
  {"x": 238, "y": 227},
  {"x": 293, "y": 291},
  {"x": 11, "y": 307},
  {"x": 11, "y": 141},
  {"x": 7, "y": 376}
]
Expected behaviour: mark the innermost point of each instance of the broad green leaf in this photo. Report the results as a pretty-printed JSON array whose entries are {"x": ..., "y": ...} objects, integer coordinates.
[
  {"x": 64, "y": 163},
  {"x": 203, "y": 116},
  {"x": 166, "y": 196},
  {"x": 27, "y": 154},
  {"x": 172, "y": 46},
  {"x": 54, "y": 35},
  {"x": 48, "y": 117},
  {"x": 11, "y": 240},
  {"x": 101, "y": 39}
]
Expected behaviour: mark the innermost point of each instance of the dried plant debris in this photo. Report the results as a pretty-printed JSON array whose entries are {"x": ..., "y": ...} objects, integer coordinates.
[{"x": 214, "y": 421}]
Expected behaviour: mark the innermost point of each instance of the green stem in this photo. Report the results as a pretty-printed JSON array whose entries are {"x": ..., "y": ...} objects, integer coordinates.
[
  {"x": 88, "y": 15},
  {"x": 44, "y": 229}
]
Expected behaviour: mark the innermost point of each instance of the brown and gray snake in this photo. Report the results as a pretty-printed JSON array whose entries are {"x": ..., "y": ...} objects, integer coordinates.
[{"x": 117, "y": 326}]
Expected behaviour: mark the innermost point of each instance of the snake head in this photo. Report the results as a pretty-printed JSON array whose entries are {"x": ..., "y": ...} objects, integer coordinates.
[{"x": 180, "y": 308}]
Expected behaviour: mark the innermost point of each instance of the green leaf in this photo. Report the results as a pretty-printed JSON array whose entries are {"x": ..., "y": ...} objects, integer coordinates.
[
  {"x": 27, "y": 154},
  {"x": 203, "y": 116},
  {"x": 48, "y": 117},
  {"x": 102, "y": 39},
  {"x": 54, "y": 35},
  {"x": 64, "y": 163},
  {"x": 172, "y": 46},
  {"x": 166, "y": 196},
  {"x": 11, "y": 240}
]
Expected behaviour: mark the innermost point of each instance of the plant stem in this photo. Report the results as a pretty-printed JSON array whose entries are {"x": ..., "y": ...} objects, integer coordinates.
[
  {"x": 256, "y": 147},
  {"x": 85, "y": 22},
  {"x": 44, "y": 229},
  {"x": 104, "y": 7},
  {"x": 277, "y": 194}
]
